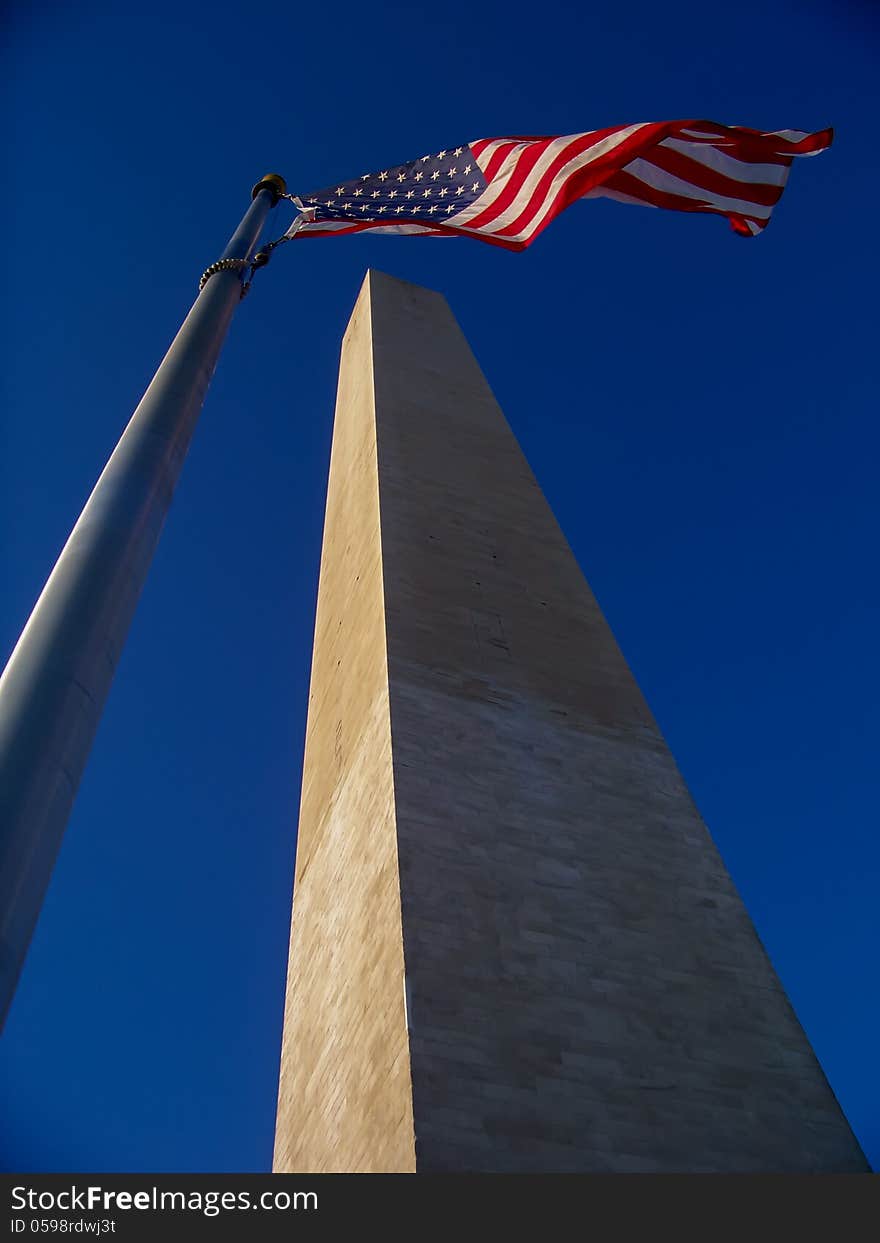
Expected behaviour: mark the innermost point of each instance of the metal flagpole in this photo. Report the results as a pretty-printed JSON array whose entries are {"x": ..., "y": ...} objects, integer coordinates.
[{"x": 54, "y": 686}]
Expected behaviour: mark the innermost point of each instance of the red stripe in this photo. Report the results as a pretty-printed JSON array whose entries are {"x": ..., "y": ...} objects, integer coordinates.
[
  {"x": 480, "y": 145},
  {"x": 518, "y": 178},
  {"x": 820, "y": 141},
  {"x": 497, "y": 159},
  {"x": 524, "y": 164},
  {"x": 578, "y": 144},
  {"x": 748, "y": 145},
  {"x": 626, "y": 183},
  {"x": 704, "y": 178},
  {"x": 575, "y": 187},
  {"x": 583, "y": 179},
  {"x": 538, "y": 197},
  {"x": 755, "y": 145}
]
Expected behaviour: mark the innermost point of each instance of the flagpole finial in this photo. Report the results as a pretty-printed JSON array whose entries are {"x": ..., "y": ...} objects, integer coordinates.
[{"x": 271, "y": 181}]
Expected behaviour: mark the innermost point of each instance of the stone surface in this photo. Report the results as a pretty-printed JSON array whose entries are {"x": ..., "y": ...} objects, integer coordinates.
[
  {"x": 345, "y": 1097},
  {"x": 488, "y": 800}
]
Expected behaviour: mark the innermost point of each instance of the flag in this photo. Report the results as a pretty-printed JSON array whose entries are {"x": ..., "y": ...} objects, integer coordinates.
[{"x": 506, "y": 190}]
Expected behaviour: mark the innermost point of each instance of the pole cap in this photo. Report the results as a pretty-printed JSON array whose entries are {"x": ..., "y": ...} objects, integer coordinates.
[{"x": 271, "y": 181}]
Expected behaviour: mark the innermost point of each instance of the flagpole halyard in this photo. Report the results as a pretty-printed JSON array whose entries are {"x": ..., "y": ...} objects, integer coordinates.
[{"x": 58, "y": 676}]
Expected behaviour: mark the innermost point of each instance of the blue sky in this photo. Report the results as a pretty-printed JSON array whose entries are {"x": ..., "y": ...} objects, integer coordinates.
[{"x": 699, "y": 409}]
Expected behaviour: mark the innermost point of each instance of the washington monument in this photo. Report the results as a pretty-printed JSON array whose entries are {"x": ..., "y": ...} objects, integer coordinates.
[{"x": 514, "y": 945}]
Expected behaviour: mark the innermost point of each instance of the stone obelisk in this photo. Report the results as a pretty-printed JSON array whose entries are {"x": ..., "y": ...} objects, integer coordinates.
[{"x": 514, "y": 945}]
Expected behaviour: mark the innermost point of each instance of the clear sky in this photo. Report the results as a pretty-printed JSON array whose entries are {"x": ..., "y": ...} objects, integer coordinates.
[{"x": 700, "y": 410}]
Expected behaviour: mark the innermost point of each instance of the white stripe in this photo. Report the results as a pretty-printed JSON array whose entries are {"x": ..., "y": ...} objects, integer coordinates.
[
  {"x": 602, "y": 193},
  {"x": 486, "y": 155},
  {"x": 407, "y": 228},
  {"x": 339, "y": 226},
  {"x": 527, "y": 189},
  {"x": 737, "y": 170},
  {"x": 704, "y": 135},
  {"x": 331, "y": 226},
  {"x": 790, "y": 135},
  {"x": 648, "y": 173},
  {"x": 495, "y": 186},
  {"x": 573, "y": 166}
]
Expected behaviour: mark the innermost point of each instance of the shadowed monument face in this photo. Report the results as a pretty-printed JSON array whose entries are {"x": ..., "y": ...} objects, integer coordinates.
[{"x": 514, "y": 946}]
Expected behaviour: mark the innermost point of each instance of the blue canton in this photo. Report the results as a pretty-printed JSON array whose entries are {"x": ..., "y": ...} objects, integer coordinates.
[{"x": 424, "y": 191}]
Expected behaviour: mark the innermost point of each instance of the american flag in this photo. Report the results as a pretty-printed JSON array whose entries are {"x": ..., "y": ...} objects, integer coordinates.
[{"x": 506, "y": 190}]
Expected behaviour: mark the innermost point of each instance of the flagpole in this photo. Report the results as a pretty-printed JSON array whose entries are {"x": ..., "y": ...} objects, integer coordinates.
[{"x": 54, "y": 686}]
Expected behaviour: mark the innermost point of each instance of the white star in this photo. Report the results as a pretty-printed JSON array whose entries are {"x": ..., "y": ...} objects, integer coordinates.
[
  {"x": 330, "y": 202},
  {"x": 440, "y": 155},
  {"x": 416, "y": 207},
  {"x": 435, "y": 174},
  {"x": 340, "y": 189},
  {"x": 375, "y": 194},
  {"x": 410, "y": 194},
  {"x": 426, "y": 194},
  {"x": 358, "y": 193},
  {"x": 381, "y": 209},
  {"x": 393, "y": 194},
  {"x": 401, "y": 176},
  {"x": 346, "y": 206},
  {"x": 452, "y": 172},
  {"x": 460, "y": 190},
  {"x": 431, "y": 210},
  {"x": 383, "y": 176},
  {"x": 443, "y": 192},
  {"x": 467, "y": 169},
  {"x": 419, "y": 176},
  {"x": 364, "y": 206},
  {"x": 366, "y": 177},
  {"x": 398, "y": 210},
  {"x": 458, "y": 150},
  {"x": 449, "y": 209},
  {"x": 475, "y": 186},
  {"x": 424, "y": 158}
]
